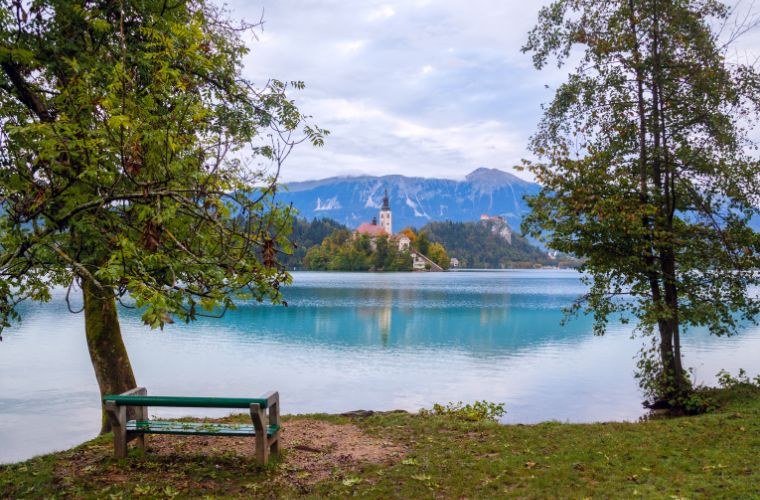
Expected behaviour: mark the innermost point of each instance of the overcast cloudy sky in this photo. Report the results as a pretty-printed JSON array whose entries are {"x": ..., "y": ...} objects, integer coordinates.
[
  {"x": 417, "y": 87},
  {"x": 432, "y": 88}
]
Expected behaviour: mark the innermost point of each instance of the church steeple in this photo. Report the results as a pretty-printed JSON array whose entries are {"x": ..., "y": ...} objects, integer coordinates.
[{"x": 385, "y": 215}]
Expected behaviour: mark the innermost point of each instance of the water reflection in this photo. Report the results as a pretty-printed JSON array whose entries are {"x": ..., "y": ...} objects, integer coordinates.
[{"x": 401, "y": 320}]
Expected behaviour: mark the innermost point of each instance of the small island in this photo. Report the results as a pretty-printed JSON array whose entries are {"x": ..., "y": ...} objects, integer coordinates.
[{"x": 374, "y": 247}]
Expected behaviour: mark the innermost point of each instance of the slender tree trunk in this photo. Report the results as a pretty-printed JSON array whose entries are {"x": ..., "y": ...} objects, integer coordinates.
[
  {"x": 675, "y": 381},
  {"x": 659, "y": 261},
  {"x": 680, "y": 383},
  {"x": 107, "y": 352}
]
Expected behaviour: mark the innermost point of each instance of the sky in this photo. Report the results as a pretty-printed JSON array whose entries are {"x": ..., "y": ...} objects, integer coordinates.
[
  {"x": 415, "y": 87},
  {"x": 430, "y": 88}
]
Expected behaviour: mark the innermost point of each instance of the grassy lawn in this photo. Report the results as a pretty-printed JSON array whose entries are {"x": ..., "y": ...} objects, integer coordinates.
[{"x": 712, "y": 455}]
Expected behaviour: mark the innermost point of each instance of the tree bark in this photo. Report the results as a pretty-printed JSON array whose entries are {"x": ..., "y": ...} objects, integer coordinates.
[
  {"x": 680, "y": 383},
  {"x": 107, "y": 351}
]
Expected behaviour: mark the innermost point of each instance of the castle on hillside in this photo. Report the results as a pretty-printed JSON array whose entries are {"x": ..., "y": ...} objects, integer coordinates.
[
  {"x": 374, "y": 230},
  {"x": 498, "y": 226}
]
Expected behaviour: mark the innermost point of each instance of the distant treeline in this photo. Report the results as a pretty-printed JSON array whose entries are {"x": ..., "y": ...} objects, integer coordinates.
[
  {"x": 324, "y": 244},
  {"x": 307, "y": 234}
]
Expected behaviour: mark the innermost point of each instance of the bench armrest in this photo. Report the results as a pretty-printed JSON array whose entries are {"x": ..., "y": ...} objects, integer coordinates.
[
  {"x": 273, "y": 405},
  {"x": 272, "y": 397},
  {"x": 137, "y": 391},
  {"x": 140, "y": 412}
]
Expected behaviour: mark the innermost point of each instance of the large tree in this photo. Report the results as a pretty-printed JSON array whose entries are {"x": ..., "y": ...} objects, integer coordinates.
[
  {"x": 648, "y": 170},
  {"x": 124, "y": 126}
]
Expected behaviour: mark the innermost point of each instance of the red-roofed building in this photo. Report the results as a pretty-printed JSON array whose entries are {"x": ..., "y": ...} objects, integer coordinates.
[{"x": 371, "y": 229}]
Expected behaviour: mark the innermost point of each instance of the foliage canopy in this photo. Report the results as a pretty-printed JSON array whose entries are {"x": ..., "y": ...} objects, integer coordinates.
[{"x": 122, "y": 128}]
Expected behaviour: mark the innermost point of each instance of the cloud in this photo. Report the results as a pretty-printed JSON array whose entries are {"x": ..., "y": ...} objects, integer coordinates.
[
  {"x": 422, "y": 87},
  {"x": 381, "y": 13},
  {"x": 351, "y": 46},
  {"x": 430, "y": 88},
  {"x": 395, "y": 144}
]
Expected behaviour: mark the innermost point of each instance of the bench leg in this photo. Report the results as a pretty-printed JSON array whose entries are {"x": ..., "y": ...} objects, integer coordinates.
[
  {"x": 259, "y": 418},
  {"x": 118, "y": 416},
  {"x": 274, "y": 419},
  {"x": 138, "y": 413}
]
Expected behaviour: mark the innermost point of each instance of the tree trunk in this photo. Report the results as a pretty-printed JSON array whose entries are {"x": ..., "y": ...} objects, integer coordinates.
[
  {"x": 674, "y": 384},
  {"x": 107, "y": 352},
  {"x": 679, "y": 381}
]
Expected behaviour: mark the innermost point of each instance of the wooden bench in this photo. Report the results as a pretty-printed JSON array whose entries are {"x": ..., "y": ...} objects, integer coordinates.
[{"x": 265, "y": 428}]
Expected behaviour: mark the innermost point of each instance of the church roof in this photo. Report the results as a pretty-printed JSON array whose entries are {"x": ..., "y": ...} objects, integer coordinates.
[{"x": 371, "y": 230}]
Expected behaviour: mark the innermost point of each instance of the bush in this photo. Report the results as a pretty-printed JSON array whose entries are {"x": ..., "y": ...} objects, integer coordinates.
[
  {"x": 726, "y": 381},
  {"x": 479, "y": 411}
]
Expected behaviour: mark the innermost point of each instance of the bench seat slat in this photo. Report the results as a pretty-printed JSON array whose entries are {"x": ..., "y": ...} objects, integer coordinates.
[
  {"x": 184, "y": 402},
  {"x": 194, "y": 428}
]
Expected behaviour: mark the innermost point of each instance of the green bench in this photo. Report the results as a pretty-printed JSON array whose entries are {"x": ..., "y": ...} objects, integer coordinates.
[{"x": 134, "y": 403}]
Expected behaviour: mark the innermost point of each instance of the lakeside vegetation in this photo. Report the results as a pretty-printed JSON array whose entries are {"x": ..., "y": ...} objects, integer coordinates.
[
  {"x": 710, "y": 455},
  {"x": 326, "y": 245},
  {"x": 341, "y": 250},
  {"x": 307, "y": 234}
]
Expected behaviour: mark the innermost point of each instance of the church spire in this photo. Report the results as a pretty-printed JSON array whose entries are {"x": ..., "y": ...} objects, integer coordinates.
[{"x": 385, "y": 216}]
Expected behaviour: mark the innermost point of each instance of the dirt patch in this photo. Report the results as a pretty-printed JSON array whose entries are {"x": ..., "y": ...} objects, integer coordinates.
[{"x": 314, "y": 450}]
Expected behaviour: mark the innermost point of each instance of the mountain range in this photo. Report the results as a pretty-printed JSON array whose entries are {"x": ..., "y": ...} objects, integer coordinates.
[{"x": 414, "y": 201}]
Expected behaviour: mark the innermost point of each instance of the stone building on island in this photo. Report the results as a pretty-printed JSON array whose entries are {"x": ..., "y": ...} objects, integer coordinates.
[{"x": 374, "y": 230}]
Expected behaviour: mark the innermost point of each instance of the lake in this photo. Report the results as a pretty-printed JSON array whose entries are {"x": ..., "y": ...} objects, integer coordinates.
[{"x": 349, "y": 341}]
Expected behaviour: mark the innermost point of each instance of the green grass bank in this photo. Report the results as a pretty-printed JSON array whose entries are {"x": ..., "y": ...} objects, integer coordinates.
[{"x": 715, "y": 455}]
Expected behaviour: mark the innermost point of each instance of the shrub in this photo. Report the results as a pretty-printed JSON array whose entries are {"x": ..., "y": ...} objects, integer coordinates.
[
  {"x": 727, "y": 381},
  {"x": 479, "y": 411}
]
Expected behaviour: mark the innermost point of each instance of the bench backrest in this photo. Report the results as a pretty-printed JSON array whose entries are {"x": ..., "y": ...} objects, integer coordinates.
[{"x": 184, "y": 402}]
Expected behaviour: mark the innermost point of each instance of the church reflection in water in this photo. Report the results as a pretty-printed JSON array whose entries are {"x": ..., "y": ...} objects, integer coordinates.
[
  {"x": 396, "y": 312},
  {"x": 379, "y": 317}
]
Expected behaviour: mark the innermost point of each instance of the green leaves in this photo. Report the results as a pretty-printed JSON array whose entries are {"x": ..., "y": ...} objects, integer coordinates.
[
  {"x": 127, "y": 127},
  {"x": 478, "y": 411}
]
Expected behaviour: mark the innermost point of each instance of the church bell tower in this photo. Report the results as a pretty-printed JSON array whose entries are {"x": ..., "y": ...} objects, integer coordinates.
[{"x": 385, "y": 215}]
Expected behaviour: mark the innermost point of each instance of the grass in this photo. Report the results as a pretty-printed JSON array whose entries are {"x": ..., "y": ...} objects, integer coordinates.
[{"x": 711, "y": 455}]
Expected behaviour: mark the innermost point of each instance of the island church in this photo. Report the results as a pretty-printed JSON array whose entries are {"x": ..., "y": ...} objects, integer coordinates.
[{"x": 385, "y": 228}]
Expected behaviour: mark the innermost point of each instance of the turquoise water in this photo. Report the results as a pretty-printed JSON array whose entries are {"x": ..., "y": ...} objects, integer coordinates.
[{"x": 350, "y": 341}]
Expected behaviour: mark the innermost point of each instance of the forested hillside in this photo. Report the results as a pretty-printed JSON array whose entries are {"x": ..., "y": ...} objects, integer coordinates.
[
  {"x": 307, "y": 234},
  {"x": 482, "y": 245}
]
